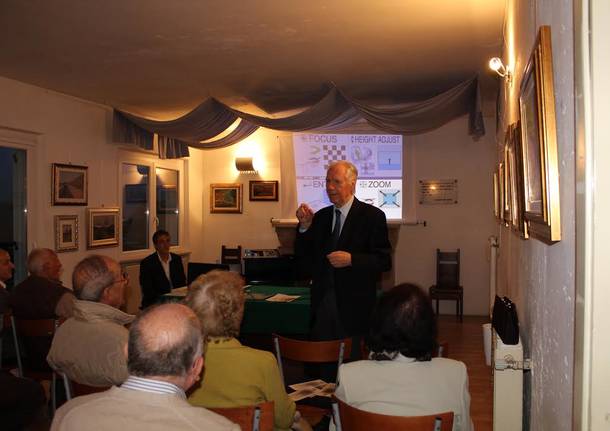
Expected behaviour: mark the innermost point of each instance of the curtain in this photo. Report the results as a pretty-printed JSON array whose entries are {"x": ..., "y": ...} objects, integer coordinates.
[{"x": 335, "y": 110}]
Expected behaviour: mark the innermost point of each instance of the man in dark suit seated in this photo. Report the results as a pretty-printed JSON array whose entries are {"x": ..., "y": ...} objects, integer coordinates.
[{"x": 160, "y": 272}]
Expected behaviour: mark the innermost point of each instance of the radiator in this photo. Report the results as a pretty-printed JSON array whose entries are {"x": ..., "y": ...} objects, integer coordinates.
[{"x": 508, "y": 365}]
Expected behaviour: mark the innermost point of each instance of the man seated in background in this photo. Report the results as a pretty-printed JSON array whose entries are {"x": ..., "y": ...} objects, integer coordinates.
[
  {"x": 160, "y": 272},
  {"x": 41, "y": 295},
  {"x": 89, "y": 347},
  {"x": 165, "y": 358}
]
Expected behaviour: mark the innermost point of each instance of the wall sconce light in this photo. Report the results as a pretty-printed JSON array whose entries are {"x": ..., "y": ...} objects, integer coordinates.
[
  {"x": 245, "y": 165},
  {"x": 497, "y": 66}
]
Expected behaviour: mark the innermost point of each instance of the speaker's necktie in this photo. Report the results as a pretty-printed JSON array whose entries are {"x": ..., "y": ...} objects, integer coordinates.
[{"x": 336, "y": 229}]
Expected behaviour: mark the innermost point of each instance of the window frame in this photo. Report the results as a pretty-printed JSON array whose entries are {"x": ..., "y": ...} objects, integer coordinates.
[{"x": 153, "y": 162}]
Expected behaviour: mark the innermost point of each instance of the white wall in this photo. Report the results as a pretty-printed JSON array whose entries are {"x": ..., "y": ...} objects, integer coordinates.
[
  {"x": 539, "y": 277},
  {"x": 449, "y": 153},
  {"x": 65, "y": 129}
]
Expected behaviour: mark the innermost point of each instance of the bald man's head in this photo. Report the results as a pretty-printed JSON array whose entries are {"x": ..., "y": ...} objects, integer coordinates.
[{"x": 164, "y": 341}]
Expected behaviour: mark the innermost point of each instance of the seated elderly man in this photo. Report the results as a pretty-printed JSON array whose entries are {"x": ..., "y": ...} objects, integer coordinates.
[
  {"x": 235, "y": 375},
  {"x": 6, "y": 273},
  {"x": 165, "y": 358},
  {"x": 41, "y": 295},
  {"x": 403, "y": 379},
  {"x": 89, "y": 347}
]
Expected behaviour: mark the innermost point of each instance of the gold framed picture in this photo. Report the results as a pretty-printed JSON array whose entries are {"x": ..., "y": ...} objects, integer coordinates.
[
  {"x": 66, "y": 233},
  {"x": 539, "y": 143},
  {"x": 226, "y": 198},
  {"x": 103, "y": 227},
  {"x": 69, "y": 184}
]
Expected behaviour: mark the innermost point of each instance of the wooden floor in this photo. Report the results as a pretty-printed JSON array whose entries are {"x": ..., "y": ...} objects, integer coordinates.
[{"x": 466, "y": 344}]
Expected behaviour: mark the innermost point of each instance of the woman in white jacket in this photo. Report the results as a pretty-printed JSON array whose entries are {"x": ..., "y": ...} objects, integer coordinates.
[{"x": 402, "y": 378}]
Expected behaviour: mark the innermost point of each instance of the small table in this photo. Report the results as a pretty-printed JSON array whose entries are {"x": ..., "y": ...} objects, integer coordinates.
[{"x": 265, "y": 317}]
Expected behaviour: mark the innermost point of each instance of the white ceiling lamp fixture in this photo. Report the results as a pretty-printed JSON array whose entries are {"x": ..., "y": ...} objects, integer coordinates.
[
  {"x": 497, "y": 66},
  {"x": 245, "y": 165}
]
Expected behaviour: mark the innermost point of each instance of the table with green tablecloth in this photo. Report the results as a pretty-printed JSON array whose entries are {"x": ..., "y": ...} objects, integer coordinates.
[{"x": 265, "y": 317}]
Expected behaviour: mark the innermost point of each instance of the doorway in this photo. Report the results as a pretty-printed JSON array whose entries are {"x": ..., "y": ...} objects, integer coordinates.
[{"x": 13, "y": 209}]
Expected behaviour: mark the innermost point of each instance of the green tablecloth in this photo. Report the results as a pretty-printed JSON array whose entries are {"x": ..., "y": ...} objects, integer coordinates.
[{"x": 264, "y": 317}]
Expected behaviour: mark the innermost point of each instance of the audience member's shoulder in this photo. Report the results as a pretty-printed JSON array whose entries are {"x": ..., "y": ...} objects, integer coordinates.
[
  {"x": 451, "y": 364},
  {"x": 213, "y": 421}
]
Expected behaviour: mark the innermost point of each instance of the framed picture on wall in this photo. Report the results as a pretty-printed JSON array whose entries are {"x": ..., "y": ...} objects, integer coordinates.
[
  {"x": 226, "y": 198},
  {"x": 539, "y": 143},
  {"x": 103, "y": 227},
  {"x": 264, "y": 190},
  {"x": 66, "y": 233},
  {"x": 69, "y": 184}
]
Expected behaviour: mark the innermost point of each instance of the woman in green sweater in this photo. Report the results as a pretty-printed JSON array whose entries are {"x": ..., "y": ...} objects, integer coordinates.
[{"x": 235, "y": 375}]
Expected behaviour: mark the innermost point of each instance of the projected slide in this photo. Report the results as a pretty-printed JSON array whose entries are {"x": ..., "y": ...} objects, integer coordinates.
[{"x": 377, "y": 157}]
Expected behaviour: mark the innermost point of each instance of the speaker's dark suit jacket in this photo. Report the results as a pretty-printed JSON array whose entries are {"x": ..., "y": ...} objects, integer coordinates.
[
  {"x": 365, "y": 236},
  {"x": 153, "y": 281}
]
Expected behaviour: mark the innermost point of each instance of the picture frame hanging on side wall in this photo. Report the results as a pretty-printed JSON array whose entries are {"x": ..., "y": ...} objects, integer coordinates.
[
  {"x": 69, "y": 184},
  {"x": 539, "y": 143},
  {"x": 103, "y": 226},
  {"x": 66, "y": 233},
  {"x": 263, "y": 190},
  {"x": 226, "y": 198}
]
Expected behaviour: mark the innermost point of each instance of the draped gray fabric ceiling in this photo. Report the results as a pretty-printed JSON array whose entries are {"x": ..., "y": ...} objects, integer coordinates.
[
  {"x": 160, "y": 59},
  {"x": 335, "y": 109}
]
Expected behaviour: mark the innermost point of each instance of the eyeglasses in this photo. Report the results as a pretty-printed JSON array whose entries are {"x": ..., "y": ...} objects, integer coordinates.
[{"x": 124, "y": 278}]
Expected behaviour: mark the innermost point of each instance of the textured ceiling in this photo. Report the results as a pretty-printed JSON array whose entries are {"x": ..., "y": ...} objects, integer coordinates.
[{"x": 161, "y": 58}]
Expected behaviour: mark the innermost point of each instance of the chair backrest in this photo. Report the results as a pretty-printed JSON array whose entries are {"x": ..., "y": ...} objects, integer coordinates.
[
  {"x": 195, "y": 269},
  {"x": 447, "y": 268},
  {"x": 34, "y": 336},
  {"x": 311, "y": 351},
  {"x": 5, "y": 326},
  {"x": 230, "y": 256},
  {"x": 257, "y": 417},
  {"x": 350, "y": 418}
]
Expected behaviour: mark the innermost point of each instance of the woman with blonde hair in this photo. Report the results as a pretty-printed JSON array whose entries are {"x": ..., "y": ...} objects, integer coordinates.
[{"x": 235, "y": 375}]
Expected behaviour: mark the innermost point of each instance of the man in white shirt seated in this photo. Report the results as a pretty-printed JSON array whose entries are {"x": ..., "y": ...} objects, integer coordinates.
[
  {"x": 161, "y": 271},
  {"x": 164, "y": 359}
]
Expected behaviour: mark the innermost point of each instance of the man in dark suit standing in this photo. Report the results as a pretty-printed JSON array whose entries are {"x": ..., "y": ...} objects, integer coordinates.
[
  {"x": 346, "y": 248},
  {"x": 160, "y": 272}
]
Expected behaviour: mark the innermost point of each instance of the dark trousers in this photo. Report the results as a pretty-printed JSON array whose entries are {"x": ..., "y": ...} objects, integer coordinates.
[{"x": 21, "y": 402}]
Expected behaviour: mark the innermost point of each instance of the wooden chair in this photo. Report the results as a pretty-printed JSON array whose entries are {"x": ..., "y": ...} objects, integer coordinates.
[
  {"x": 257, "y": 417},
  {"x": 29, "y": 337},
  {"x": 447, "y": 285},
  {"x": 311, "y": 352},
  {"x": 350, "y": 418}
]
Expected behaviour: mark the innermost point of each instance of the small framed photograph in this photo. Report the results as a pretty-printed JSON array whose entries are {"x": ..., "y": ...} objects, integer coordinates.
[
  {"x": 102, "y": 227},
  {"x": 226, "y": 198},
  {"x": 264, "y": 190},
  {"x": 69, "y": 184},
  {"x": 66, "y": 233}
]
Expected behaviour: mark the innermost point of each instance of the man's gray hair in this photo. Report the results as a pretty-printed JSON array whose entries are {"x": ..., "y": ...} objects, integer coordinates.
[
  {"x": 37, "y": 259},
  {"x": 91, "y": 276},
  {"x": 164, "y": 348},
  {"x": 351, "y": 171}
]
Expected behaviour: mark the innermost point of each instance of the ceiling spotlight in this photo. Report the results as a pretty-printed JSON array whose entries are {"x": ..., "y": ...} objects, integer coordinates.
[{"x": 497, "y": 66}]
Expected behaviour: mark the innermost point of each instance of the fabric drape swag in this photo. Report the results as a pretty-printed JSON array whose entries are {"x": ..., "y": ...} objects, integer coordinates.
[{"x": 199, "y": 127}]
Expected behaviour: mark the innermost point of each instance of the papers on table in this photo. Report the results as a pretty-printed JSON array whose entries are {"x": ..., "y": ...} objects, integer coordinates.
[
  {"x": 280, "y": 297},
  {"x": 312, "y": 388}
]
